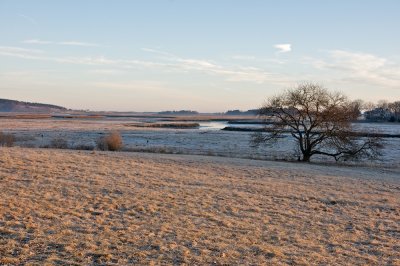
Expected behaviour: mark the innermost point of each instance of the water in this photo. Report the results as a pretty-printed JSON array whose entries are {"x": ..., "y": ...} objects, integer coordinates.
[
  {"x": 218, "y": 125},
  {"x": 209, "y": 139},
  {"x": 386, "y": 128}
]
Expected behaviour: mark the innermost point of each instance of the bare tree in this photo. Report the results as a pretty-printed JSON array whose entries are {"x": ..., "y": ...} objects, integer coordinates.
[
  {"x": 384, "y": 104},
  {"x": 358, "y": 106},
  {"x": 319, "y": 121},
  {"x": 368, "y": 106},
  {"x": 395, "y": 109}
]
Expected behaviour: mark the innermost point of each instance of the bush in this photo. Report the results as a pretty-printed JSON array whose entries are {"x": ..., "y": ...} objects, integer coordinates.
[
  {"x": 6, "y": 140},
  {"x": 110, "y": 142},
  {"x": 85, "y": 147},
  {"x": 59, "y": 143}
]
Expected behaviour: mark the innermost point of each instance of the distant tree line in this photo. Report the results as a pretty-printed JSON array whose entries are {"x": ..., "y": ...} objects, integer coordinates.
[
  {"x": 12, "y": 105},
  {"x": 381, "y": 111},
  {"x": 238, "y": 112},
  {"x": 181, "y": 112}
]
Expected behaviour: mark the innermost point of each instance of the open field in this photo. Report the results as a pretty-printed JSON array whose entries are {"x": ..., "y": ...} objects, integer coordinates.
[{"x": 74, "y": 207}]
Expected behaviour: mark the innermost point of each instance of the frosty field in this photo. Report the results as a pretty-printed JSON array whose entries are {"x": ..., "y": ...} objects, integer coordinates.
[
  {"x": 61, "y": 207},
  {"x": 75, "y": 207}
]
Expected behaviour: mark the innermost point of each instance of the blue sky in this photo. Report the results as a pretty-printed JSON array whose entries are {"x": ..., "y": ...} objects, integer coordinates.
[{"x": 200, "y": 55}]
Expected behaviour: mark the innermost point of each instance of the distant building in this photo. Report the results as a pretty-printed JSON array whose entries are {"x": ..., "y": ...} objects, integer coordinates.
[{"x": 378, "y": 114}]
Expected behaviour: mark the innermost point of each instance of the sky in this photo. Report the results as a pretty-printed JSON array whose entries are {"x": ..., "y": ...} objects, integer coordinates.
[{"x": 208, "y": 55}]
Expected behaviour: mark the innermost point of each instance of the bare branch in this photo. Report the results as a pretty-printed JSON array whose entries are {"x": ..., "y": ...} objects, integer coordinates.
[{"x": 319, "y": 121}]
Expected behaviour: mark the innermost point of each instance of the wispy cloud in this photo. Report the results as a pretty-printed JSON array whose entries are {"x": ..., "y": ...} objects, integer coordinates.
[
  {"x": 28, "y": 18},
  {"x": 244, "y": 57},
  {"x": 107, "y": 71},
  {"x": 20, "y": 52},
  {"x": 76, "y": 43},
  {"x": 231, "y": 73},
  {"x": 155, "y": 51},
  {"x": 70, "y": 43},
  {"x": 228, "y": 72},
  {"x": 361, "y": 67},
  {"x": 283, "y": 48},
  {"x": 252, "y": 58},
  {"x": 39, "y": 55},
  {"x": 13, "y": 49}
]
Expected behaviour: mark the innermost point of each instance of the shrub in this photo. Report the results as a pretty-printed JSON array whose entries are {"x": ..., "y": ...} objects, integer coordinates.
[
  {"x": 86, "y": 147},
  {"x": 59, "y": 143},
  {"x": 110, "y": 142},
  {"x": 6, "y": 140}
]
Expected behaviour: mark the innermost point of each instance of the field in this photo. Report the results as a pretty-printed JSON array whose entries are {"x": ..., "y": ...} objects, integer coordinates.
[{"x": 60, "y": 207}]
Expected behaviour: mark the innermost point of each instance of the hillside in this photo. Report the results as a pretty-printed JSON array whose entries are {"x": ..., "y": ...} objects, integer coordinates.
[{"x": 18, "y": 106}]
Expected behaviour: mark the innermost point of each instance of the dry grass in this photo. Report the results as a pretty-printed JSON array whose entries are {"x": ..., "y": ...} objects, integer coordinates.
[
  {"x": 111, "y": 142},
  {"x": 6, "y": 140},
  {"x": 24, "y": 116},
  {"x": 62, "y": 207}
]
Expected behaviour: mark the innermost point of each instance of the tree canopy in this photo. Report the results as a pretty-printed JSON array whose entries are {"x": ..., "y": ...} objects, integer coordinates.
[{"x": 320, "y": 121}]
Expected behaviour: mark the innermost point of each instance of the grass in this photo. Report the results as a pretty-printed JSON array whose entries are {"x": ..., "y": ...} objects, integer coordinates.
[{"x": 97, "y": 208}]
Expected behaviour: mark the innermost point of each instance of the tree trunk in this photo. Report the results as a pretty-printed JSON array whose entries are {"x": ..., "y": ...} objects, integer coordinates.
[{"x": 306, "y": 157}]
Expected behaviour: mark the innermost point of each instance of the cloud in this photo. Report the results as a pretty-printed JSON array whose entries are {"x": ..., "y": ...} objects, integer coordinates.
[
  {"x": 68, "y": 43},
  {"x": 154, "y": 51},
  {"x": 361, "y": 67},
  {"x": 244, "y": 57},
  {"x": 197, "y": 64},
  {"x": 13, "y": 49},
  {"x": 29, "y": 19},
  {"x": 170, "y": 63},
  {"x": 107, "y": 71},
  {"x": 36, "y": 41},
  {"x": 233, "y": 74},
  {"x": 283, "y": 48},
  {"x": 256, "y": 59},
  {"x": 229, "y": 73},
  {"x": 75, "y": 43},
  {"x": 20, "y": 52}
]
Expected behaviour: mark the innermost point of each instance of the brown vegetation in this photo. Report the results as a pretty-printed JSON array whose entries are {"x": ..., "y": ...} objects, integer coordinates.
[
  {"x": 6, "y": 139},
  {"x": 167, "y": 125},
  {"x": 25, "y": 116},
  {"x": 61, "y": 207},
  {"x": 79, "y": 116},
  {"x": 59, "y": 143},
  {"x": 110, "y": 142}
]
